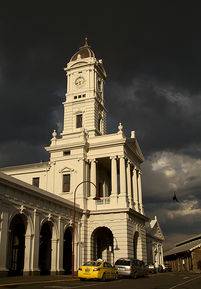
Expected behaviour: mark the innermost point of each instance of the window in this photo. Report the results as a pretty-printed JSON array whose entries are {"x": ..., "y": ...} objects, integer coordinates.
[
  {"x": 75, "y": 97},
  {"x": 35, "y": 181},
  {"x": 66, "y": 153},
  {"x": 79, "y": 96},
  {"x": 66, "y": 183},
  {"x": 100, "y": 190},
  {"x": 78, "y": 120}
]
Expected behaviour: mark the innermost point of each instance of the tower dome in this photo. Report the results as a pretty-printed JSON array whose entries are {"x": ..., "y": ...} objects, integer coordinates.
[{"x": 83, "y": 52}]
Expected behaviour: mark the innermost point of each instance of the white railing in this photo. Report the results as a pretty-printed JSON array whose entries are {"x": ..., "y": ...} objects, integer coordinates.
[{"x": 103, "y": 201}]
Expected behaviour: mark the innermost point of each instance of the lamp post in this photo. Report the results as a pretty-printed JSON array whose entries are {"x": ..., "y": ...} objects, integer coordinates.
[
  {"x": 73, "y": 225},
  {"x": 115, "y": 248}
]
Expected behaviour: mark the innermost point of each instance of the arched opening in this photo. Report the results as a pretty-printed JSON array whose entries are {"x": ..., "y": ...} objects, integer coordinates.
[
  {"x": 67, "y": 251},
  {"x": 102, "y": 244},
  {"x": 135, "y": 244},
  {"x": 45, "y": 248},
  {"x": 16, "y": 249}
]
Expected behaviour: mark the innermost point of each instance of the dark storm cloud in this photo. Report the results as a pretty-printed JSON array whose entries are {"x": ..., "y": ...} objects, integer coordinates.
[{"x": 164, "y": 117}]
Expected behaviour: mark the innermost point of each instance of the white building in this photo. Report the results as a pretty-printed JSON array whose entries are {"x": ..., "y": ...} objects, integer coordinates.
[
  {"x": 85, "y": 163},
  {"x": 155, "y": 240}
]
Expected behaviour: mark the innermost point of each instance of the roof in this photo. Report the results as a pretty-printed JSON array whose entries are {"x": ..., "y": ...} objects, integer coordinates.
[
  {"x": 40, "y": 164},
  {"x": 83, "y": 52},
  {"x": 190, "y": 246},
  {"x": 153, "y": 229},
  {"x": 195, "y": 237}
]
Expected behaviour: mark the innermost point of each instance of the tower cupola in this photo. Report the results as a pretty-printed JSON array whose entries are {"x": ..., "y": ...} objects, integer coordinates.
[
  {"x": 84, "y": 106},
  {"x": 84, "y": 52}
]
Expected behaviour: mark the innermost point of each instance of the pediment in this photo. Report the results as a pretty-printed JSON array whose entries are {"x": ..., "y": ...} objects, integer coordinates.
[
  {"x": 138, "y": 150},
  {"x": 66, "y": 169},
  {"x": 157, "y": 232},
  {"x": 135, "y": 148}
]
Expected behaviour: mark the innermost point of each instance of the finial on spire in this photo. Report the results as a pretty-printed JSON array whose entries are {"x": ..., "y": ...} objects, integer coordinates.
[
  {"x": 54, "y": 134},
  {"x": 86, "y": 41}
]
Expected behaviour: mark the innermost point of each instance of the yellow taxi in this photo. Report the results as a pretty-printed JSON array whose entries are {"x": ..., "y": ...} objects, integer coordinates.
[{"x": 97, "y": 270}]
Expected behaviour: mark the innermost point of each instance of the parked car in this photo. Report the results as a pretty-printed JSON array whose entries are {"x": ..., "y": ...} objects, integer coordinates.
[
  {"x": 151, "y": 269},
  {"x": 168, "y": 267},
  {"x": 130, "y": 267},
  {"x": 97, "y": 270},
  {"x": 144, "y": 268}
]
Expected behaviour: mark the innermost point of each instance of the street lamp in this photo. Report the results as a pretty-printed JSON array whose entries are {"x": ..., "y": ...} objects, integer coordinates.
[
  {"x": 115, "y": 248},
  {"x": 73, "y": 225}
]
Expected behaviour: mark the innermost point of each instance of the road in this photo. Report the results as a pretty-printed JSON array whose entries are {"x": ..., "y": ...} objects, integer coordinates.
[{"x": 168, "y": 280}]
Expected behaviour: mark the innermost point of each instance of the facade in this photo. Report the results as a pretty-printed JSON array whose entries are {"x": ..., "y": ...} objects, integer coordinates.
[
  {"x": 155, "y": 240},
  {"x": 185, "y": 256},
  {"x": 35, "y": 229},
  {"x": 98, "y": 172}
]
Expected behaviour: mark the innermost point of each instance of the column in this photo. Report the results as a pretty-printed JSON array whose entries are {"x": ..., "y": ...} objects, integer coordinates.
[
  {"x": 114, "y": 176},
  {"x": 88, "y": 179},
  {"x": 93, "y": 178},
  {"x": 35, "y": 242},
  {"x": 162, "y": 260},
  {"x": 122, "y": 176},
  {"x": 60, "y": 245},
  {"x": 128, "y": 173},
  {"x": 28, "y": 254},
  {"x": 135, "y": 189},
  {"x": 54, "y": 255},
  {"x": 140, "y": 192},
  {"x": 3, "y": 241}
]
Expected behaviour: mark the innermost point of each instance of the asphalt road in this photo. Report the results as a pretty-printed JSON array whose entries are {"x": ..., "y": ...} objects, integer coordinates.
[{"x": 157, "y": 281}]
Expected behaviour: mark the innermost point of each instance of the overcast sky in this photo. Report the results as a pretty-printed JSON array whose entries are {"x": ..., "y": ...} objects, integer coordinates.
[{"x": 152, "y": 55}]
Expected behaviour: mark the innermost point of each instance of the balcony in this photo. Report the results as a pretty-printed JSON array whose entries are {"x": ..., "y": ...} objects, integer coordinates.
[{"x": 103, "y": 201}]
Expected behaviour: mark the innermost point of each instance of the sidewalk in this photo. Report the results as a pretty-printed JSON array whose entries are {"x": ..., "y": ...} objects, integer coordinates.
[{"x": 34, "y": 279}]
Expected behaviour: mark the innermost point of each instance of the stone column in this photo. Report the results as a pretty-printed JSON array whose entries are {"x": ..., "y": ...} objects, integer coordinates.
[
  {"x": 122, "y": 176},
  {"x": 3, "y": 241},
  {"x": 60, "y": 246},
  {"x": 135, "y": 189},
  {"x": 78, "y": 252},
  {"x": 54, "y": 255},
  {"x": 140, "y": 192},
  {"x": 88, "y": 179},
  {"x": 122, "y": 197},
  {"x": 161, "y": 248},
  {"x": 35, "y": 242},
  {"x": 28, "y": 254},
  {"x": 128, "y": 173},
  {"x": 93, "y": 178},
  {"x": 114, "y": 176}
]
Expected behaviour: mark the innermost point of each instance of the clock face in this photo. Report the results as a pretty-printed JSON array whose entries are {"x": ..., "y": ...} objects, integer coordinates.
[{"x": 79, "y": 81}]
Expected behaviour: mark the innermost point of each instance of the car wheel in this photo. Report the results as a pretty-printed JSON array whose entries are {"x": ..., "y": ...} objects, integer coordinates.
[
  {"x": 104, "y": 278},
  {"x": 134, "y": 275}
]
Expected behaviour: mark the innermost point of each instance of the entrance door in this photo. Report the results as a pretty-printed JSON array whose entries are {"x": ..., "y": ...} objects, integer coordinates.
[
  {"x": 17, "y": 245},
  {"x": 45, "y": 248},
  {"x": 67, "y": 253},
  {"x": 102, "y": 240}
]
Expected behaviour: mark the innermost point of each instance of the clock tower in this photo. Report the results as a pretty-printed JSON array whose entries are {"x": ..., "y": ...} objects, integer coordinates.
[{"x": 84, "y": 107}]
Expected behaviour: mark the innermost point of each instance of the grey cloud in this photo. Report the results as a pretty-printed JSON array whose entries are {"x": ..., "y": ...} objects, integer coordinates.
[
  {"x": 165, "y": 173},
  {"x": 19, "y": 152},
  {"x": 164, "y": 117}
]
